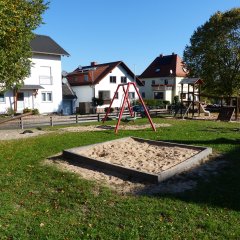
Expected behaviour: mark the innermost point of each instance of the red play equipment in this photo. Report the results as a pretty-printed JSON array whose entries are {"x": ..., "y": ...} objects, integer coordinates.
[{"x": 126, "y": 100}]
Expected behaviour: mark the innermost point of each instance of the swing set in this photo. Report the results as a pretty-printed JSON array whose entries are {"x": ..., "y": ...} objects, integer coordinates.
[{"x": 125, "y": 88}]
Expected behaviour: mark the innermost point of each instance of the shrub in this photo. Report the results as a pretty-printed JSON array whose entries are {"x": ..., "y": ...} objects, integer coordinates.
[
  {"x": 27, "y": 110},
  {"x": 35, "y": 111},
  {"x": 10, "y": 112},
  {"x": 106, "y": 109},
  {"x": 97, "y": 102}
]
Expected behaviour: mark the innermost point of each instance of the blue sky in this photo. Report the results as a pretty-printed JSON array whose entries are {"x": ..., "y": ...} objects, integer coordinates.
[{"x": 134, "y": 31}]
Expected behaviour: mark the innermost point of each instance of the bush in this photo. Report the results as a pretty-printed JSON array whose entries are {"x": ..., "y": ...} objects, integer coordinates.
[
  {"x": 27, "y": 110},
  {"x": 106, "y": 109},
  {"x": 35, "y": 111},
  {"x": 10, "y": 112},
  {"x": 97, "y": 102}
]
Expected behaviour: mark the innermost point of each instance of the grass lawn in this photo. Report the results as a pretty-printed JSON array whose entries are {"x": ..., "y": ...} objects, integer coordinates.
[{"x": 41, "y": 202}]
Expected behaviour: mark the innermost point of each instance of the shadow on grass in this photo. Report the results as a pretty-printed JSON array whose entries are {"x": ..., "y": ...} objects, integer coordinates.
[
  {"x": 221, "y": 189},
  {"x": 220, "y": 129},
  {"x": 214, "y": 183}
]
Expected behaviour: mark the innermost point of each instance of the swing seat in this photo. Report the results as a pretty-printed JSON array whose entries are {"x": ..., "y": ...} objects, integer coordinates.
[{"x": 128, "y": 119}]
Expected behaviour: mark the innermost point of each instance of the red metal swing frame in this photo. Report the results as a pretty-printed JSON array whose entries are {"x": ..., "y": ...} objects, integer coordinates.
[{"x": 126, "y": 99}]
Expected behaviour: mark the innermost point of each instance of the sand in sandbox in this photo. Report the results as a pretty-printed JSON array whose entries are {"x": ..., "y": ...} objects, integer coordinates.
[{"x": 140, "y": 156}]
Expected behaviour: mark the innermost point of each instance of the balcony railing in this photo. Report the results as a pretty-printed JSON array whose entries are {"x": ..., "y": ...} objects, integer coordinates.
[
  {"x": 160, "y": 87},
  {"x": 45, "y": 80}
]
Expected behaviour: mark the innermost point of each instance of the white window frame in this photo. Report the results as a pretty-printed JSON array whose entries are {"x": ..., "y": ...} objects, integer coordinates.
[
  {"x": 123, "y": 79},
  {"x": 131, "y": 95},
  {"x": 104, "y": 93},
  {"x": 45, "y": 79},
  {"x": 46, "y": 94},
  {"x": 111, "y": 79},
  {"x": 163, "y": 94}
]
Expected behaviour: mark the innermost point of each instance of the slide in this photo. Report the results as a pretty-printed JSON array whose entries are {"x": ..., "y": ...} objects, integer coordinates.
[{"x": 202, "y": 110}]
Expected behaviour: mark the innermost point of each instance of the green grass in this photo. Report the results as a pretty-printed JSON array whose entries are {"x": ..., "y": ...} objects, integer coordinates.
[{"x": 41, "y": 202}]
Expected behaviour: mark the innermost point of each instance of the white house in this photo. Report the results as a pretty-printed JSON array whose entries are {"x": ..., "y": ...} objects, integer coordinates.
[
  {"x": 101, "y": 81},
  {"x": 43, "y": 88},
  {"x": 162, "y": 78}
]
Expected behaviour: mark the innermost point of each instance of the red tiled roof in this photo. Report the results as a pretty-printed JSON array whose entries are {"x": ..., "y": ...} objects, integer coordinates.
[
  {"x": 76, "y": 78},
  {"x": 163, "y": 65}
]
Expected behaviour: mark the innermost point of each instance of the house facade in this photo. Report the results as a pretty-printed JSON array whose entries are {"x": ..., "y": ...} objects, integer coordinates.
[
  {"x": 42, "y": 90},
  {"x": 101, "y": 81},
  {"x": 161, "y": 79}
]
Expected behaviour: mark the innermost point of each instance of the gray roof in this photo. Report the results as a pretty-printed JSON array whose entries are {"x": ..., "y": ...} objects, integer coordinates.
[
  {"x": 68, "y": 92},
  {"x": 191, "y": 81},
  {"x": 31, "y": 87},
  {"x": 45, "y": 44}
]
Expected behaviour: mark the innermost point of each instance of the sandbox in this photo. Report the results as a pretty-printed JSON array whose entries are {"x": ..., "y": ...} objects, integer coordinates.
[{"x": 145, "y": 160}]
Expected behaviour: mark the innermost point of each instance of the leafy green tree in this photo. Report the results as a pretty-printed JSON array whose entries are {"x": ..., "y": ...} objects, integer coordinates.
[
  {"x": 214, "y": 53},
  {"x": 18, "y": 18}
]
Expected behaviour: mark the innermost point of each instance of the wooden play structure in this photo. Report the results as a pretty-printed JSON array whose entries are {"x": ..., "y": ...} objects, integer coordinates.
[
  {"x": 192, "y": 104},
  {"x": 228, "y": 111},
  {"x": 126, "y": 101}
]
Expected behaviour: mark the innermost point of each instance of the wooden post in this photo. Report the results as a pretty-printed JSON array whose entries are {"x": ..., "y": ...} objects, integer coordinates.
[
  {"x": 181, "y": 94},
  {"x": 98, "y": 117},
  {"x": 21, "y": 123},
  {"x": 236, "y": 110},
  {"x": 193, "y": 101},
  {"x": 76, "y": 118},
  {"x": 51, "y": 121}
]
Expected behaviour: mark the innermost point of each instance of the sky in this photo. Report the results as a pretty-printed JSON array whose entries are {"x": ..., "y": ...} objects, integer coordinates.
[{"x": 132, "y": 31}]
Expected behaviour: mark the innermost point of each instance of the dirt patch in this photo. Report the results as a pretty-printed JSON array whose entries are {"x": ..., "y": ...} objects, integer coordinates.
[
  {"x": 111, "y": 127},
  {"x": 18, "y": 133},
  {"x": 119, "y": 183}
]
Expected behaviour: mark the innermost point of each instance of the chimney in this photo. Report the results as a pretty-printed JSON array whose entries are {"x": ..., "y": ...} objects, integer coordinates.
[
  {"x": 173, "y": 53},
  {"x": 161, "y": 55},
  {"x": 93, "y": 64}
]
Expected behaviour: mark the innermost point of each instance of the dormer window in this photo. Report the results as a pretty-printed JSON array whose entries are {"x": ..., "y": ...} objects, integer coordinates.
[
  {"x": 157, "y": 70},
  {"x": 85, "y": 77}
]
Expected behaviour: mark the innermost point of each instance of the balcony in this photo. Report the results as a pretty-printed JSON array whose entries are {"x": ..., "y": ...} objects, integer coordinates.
[
  {"x": 45, "y": 80},
  {"x": 162, "y": 87}
]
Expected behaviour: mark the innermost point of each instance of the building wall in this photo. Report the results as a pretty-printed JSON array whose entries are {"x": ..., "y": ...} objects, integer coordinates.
[
  {"x": 42, "y": 66},
  {"x": 105, "y": 85},
  {"x": 168, "y": 94},
  {"x": 86, "y": 93},
  {"x": 55, "y": 86}
]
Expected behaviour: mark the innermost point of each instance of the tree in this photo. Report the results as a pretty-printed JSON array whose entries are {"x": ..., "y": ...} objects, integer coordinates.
[
  {"x": 18, "y": 19},
  {"x": 214, "y": 53}
]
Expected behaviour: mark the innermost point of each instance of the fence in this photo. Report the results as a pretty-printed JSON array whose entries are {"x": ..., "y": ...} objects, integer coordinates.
[{"x": 34, "y": 121}]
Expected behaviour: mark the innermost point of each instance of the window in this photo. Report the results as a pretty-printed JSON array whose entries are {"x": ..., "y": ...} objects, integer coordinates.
[
  {"x": 20, "y": 96},
  {"x": 46, "y": 96},
  {"x": 143, "y": 94},
  {"x": 123, "y": 79},
  {"x": 116, "y": 96},
  {"x": 104, "y": 95},
  {"x": 45, "y": 76},
  {"x": 85, "y": 77},
  {"x": 165, "y": 82},
  {"x": 153, "y": 82},
  {"x": 157, "y": 70},
  {"x": 113, "y": 79},
  {"x": 158, "y": 95},
  {"x": 2, "y": 99},
  {"x": 131, "y": 95}
]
